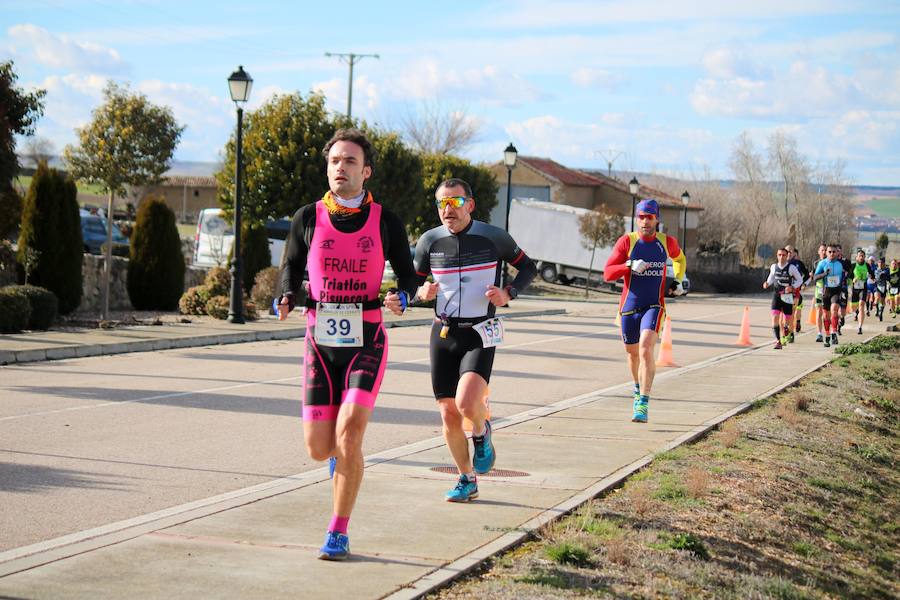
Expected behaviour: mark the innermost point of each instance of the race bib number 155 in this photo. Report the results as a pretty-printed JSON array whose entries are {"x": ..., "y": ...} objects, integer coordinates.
[{"x": 491, "y": 332}]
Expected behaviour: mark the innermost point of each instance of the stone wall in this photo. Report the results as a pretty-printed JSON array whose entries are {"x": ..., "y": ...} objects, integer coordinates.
[{"x": 92, "y": 282}]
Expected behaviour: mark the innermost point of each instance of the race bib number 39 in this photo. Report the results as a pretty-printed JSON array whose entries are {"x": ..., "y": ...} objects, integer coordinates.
[
  {"x": 491, "y": 332},
  {"x": 833, "y": 281},
  {"x": 339, "y": 325}
]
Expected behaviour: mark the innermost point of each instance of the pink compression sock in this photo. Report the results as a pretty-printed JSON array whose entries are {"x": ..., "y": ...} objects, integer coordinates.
[{"x": 339, "y": 524}]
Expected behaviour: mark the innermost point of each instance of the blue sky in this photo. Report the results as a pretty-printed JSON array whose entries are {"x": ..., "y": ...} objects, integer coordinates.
[{"x": 668, "y": 84}]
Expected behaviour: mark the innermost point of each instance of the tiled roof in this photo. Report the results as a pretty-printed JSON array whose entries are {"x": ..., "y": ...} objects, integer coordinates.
[
  {"x": 645, "y": 191},
  {"x": 557, "y": 172},
  {"x": 194, "y": 181}
]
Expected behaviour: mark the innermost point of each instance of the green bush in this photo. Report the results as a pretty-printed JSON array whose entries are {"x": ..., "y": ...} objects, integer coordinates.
[
  {"x": 15, "y": 310},
  {"x": 42, "y": 301},
  {"x": 51, "y": 234},
  {"x": 193, "y": 301},
  {"x": 156, "y": 269},
  {"x": 217, "y": 307},
  {"x": 218, "y": 282},
  {"x": 8, "y": 272},
  {"x": 266, "y": 287}
]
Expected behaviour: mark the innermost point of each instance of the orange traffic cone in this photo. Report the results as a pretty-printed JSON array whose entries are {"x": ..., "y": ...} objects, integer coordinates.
[
  {"x": 812, "y": 315},
  {"x": 744, "y": 336},
  {"x": 665, "y": 349},
  {"x": 467, "y": 424}
]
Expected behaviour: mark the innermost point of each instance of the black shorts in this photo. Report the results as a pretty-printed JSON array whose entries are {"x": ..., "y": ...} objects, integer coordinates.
[
  {"x": 460, "y": 352},
  {"x": 856, "y": 295},
  {"x": 833, "y": 296},
  {"x": 330, "y": 372},
  {"x": 779, "y": 305}
]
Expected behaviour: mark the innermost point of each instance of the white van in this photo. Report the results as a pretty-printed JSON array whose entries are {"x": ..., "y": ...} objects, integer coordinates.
[{"x": 215, "y": 237}]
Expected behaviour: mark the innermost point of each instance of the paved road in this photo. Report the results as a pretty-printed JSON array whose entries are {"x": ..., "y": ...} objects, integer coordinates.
[{"x": 86, "y": 442}]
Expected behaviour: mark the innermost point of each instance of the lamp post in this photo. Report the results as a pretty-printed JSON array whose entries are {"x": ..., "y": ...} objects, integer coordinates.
[
  {"x": 633, "y": 187},
  {"x": 685, "y": 200},
  {"x": 239, "y": 84},
  {"x": 510, "y": 156}
]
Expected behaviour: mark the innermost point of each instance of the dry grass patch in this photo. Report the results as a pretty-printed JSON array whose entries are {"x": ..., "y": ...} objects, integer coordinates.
[{"x": 780, "y": 502}]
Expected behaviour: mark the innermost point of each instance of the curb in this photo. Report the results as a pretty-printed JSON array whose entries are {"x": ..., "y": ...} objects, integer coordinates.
[
  {"x": 467, "y": 563},
  {"x": 8, "y": 357}
]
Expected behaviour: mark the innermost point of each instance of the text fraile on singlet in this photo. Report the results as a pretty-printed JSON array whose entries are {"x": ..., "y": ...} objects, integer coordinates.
[{"x": 331, "y": 285}]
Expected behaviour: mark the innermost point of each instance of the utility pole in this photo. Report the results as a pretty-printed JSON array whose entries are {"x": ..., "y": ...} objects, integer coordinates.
[
  {"x": 610, "y": 155},
  {"x": 350, "y": 58}
]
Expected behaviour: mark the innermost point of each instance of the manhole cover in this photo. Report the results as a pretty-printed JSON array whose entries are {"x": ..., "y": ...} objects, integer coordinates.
[{"x": 493, "y": 473}]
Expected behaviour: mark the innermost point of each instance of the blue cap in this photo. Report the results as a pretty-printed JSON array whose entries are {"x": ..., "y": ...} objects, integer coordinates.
[{"x": 647, "y": 206}]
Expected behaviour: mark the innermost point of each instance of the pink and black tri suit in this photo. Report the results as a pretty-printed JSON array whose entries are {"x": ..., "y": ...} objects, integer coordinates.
[{"x": 345, "y": 266}]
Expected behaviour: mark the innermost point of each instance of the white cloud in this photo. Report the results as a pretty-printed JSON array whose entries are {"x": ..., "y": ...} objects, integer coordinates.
[
  {"x": 335, "y": 91},
  {"x": 484, "y": 84},
  {"x": 586, "y": 13},
  {"x": 729, "y": 63},
  {"x": 576, "y": 144},
  {"x": 588, "y": 77},
  {"x": 802, "y": 90},
  {"x": 63, "y": 52}
]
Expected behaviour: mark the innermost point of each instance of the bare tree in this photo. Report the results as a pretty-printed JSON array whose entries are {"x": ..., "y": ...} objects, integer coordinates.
[
  {"x": 752, "y": 196},
  {"x": 434, "y": 128},
  {"x": 600, "y": 227},
  {"x": 38, "y": 150}
]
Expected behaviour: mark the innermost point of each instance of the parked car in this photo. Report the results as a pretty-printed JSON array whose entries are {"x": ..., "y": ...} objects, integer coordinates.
[
  {"x": 389, "y": 275},
  {"x": 93, "y": 233},
  {"x": 215, "y": 237}
]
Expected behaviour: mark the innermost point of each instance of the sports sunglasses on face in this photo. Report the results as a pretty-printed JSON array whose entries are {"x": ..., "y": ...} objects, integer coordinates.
[{"x": 454, "y": 201}]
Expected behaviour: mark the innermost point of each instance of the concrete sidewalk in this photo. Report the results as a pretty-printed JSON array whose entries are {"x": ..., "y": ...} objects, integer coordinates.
[
  {"x": 80, "y": 342},
  {"x": 261, "y": 542}
]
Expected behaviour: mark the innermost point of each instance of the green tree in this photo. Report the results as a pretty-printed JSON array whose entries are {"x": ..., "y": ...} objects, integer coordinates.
[
  {"x": 156, "y": 266},
  {"x": 600, "y": 227},
  {"x": 18, "y": 112},
  {"x": 397, "y": 180},
  {"x": 50, "y": 236},
  {"x": 129, "y": 141},
  {"x": 255, "y": 253},
  {"x": 439, "y": 167},
  {"x": 284, "y": 168}
]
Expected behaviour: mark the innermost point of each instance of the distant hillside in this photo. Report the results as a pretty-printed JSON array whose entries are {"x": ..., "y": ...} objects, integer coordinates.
[{"x": 178, "y": 167}]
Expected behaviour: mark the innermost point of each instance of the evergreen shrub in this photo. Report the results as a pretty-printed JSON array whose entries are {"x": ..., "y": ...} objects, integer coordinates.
[{"x": 156, "y": 266}]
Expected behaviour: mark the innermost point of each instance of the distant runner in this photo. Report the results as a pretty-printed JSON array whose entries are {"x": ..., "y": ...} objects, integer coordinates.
[{"x": 784, "y": 277}]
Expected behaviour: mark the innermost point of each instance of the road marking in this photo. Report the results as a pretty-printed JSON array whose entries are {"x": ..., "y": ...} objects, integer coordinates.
[{"x": 298, "y": 377}]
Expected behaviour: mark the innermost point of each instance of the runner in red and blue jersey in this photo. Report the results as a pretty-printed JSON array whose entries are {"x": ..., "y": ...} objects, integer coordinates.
[{"x": 640, "y": 258}]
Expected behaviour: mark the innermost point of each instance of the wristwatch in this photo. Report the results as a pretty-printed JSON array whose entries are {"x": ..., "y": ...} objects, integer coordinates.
[{"x": 513, "y": 292}]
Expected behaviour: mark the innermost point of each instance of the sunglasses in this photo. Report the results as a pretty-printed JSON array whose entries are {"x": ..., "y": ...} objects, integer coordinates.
[{"x": 454, "y": 201}]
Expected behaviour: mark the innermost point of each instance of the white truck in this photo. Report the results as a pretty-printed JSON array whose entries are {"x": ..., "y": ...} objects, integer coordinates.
[{"x": 548, "y": 233}]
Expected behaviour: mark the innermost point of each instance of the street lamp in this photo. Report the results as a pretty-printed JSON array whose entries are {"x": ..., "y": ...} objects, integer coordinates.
[
  {"x": 510, "y": 156},
  {"x": 685, "y": 200},
  {"x": 633, "y": 187},
  {"x": 239, "y": 84}
]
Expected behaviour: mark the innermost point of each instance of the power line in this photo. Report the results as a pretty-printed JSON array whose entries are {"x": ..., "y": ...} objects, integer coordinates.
[
  {"x": 609, "y": 155},
  {"x": 350, "y": 58}
]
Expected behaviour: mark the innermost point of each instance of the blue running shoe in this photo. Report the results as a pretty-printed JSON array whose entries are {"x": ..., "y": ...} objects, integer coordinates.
[
  {"x": 639, "y": 412},
  {"x": 336, "y": 547},
  {"x": 484, "y": 451},
  {"x": 332, "y": 465},
  {"x": 464, "y": 491}
]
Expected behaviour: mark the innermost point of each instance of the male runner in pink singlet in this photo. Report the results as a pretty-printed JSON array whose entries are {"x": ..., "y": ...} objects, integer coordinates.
[{"x": 343, "y": 241}]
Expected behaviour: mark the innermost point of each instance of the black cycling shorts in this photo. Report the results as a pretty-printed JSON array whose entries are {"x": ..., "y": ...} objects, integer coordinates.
[
  {"x": 779, "y": 305},
  {"x": 856, "y": 294},
  {"x": 460, "y": 352},
  {"x": 833, "y": 296}
]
